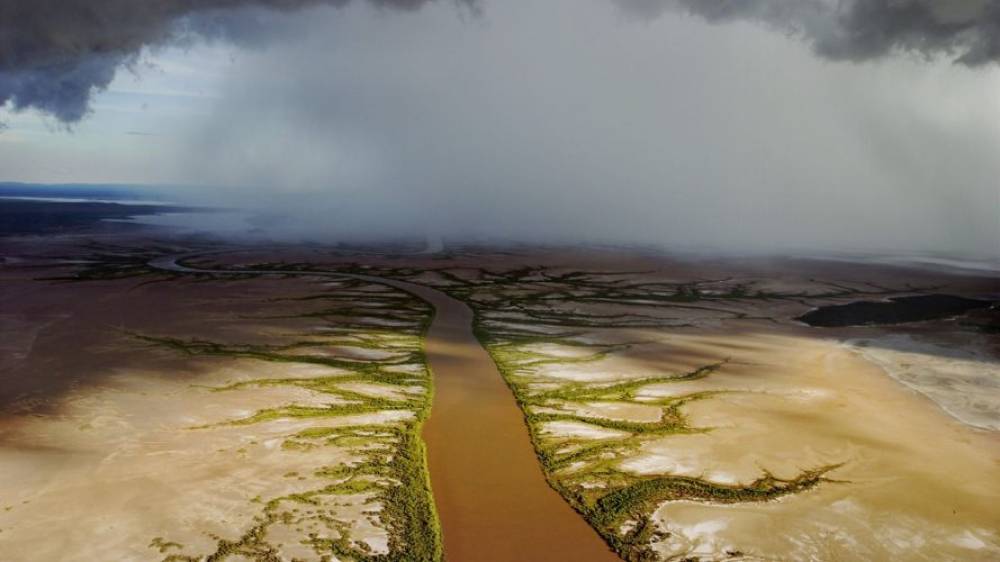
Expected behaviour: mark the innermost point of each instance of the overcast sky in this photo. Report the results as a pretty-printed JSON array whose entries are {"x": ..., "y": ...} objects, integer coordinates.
[{"x": 756, "y": 125}]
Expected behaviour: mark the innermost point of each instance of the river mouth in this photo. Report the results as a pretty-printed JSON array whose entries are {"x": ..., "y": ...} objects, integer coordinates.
[{"x": 897, "y": 310}]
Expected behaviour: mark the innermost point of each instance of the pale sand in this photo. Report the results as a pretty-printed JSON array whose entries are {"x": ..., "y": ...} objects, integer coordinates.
[
  {"x": 559, "y": 351},
  {"x": 540, "y": 329},
  {"x": 917, "y": 485},
  {"x": 610, "y": 369},
  {"x": 616, "y": 411},
  {"x": 120, "y": 466},
  {"x": 350, "y": 353},
  {"x": 580, "y": 430},
  {"x": 381, "y": 390},
  {"x": 406, "y": 368},
  {"x": 242, "y": 370}
]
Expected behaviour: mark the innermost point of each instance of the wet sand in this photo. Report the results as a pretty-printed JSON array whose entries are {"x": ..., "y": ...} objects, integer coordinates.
[{"x": 491, "y": 496}]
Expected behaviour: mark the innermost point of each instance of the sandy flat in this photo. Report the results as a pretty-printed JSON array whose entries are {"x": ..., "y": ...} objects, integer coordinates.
[{"x": 580, "y": 430}]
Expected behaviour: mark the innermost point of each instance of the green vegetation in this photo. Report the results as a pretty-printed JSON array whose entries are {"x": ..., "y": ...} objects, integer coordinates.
[
  {"x": 162, "y": 545},
  {"x": 630, "y": 506}
]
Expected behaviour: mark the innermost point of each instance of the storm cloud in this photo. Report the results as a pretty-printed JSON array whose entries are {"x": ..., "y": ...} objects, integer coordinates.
[
  {"x": 857, "y": 30},
  {"x": 54, "y": 54}
]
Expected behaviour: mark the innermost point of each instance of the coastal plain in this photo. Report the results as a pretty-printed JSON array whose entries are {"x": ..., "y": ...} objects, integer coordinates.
[{"x": 280, "y": 403}]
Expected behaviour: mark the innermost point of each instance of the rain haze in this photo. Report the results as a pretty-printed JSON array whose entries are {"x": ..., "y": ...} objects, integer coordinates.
[{"x": 763, "y": 126}]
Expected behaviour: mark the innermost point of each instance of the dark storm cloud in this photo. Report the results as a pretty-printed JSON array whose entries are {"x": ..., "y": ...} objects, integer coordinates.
[
  {"x": 55, "y": 53},
  {"x": 857, "y": 30}
]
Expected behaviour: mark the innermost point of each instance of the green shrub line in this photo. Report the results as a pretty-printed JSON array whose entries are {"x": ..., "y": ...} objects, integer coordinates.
[
  {"x": 194, "y": 347},
  {"x": 636, "y": 502}
]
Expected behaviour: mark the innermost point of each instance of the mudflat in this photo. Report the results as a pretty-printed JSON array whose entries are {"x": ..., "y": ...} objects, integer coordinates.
[{"x": 295, "y": 403}]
